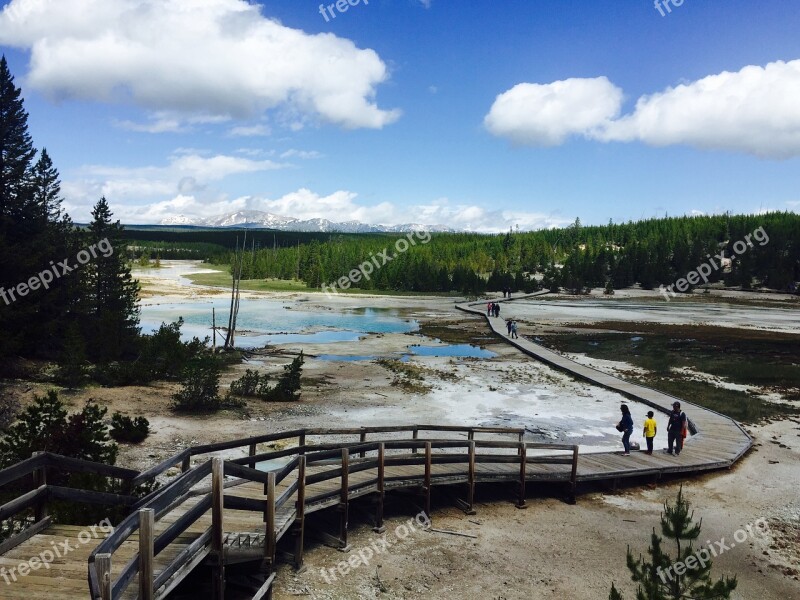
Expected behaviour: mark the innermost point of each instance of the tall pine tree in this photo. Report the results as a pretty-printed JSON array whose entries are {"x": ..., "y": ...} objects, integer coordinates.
[{"x": 113, "y": 326}]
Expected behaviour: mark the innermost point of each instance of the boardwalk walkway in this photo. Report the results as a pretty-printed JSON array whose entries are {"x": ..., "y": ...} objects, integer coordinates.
[
  {"x": 223, "y": 512},
  {"x": 717, "y": 441}
]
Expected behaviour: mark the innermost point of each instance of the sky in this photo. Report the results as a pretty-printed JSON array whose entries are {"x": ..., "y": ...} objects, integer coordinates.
[{"x": 474, "y": 115}]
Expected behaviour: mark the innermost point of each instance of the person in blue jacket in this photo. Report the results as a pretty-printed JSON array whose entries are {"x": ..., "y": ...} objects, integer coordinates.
[{"x": 626, "y": 427}]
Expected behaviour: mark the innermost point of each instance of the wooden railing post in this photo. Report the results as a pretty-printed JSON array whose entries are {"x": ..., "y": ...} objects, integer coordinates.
[
  {"x": 102, "y": 565},
  {"x": 217, "y": 527},
  {"x": 252, "y": 452},
  {"x": 301, "y": 442},
  {"x": 40, "y": 479},
  {"x": 344, "y": 497},
  {"x": 415, "y": 437},
  {"x": 146, "y": 540},
  {"x": 362, "y": 439},
  {"x": 471, "y": 479},
  {"x": 523, "y": 461},
  {"x": 300, "y": 518},
  {"x": 186, "y": 463},
  {"x": 572, "y": 499},
  {"x": 270, "y": 545},
  {"x": 428, "y": 459},
  {"x": 379, "y": 528}
]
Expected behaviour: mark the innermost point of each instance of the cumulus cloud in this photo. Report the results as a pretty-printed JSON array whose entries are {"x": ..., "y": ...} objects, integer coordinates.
[
  {"x": 547, "y": 114},
  {"x": 187, "y": 172},
  {"x": 754, "y": 110},
  {"x": 215, "y": 57}
]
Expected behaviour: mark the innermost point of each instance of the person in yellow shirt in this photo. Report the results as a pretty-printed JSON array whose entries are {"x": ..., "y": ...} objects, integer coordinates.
[{"x": 649, "y": 433}]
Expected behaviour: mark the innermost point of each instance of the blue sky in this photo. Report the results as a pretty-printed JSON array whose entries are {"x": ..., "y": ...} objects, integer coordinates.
[{"x": 475, "y": 115}]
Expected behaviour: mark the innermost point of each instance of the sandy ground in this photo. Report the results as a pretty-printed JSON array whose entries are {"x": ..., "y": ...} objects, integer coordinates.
[{"x": 550, "y": 550}]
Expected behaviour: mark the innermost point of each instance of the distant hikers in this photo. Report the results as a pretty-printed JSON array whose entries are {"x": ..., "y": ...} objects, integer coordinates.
[
  {"x": 489, "y": 309},
  {"x": 496, "y": 309},
  {"x": 625, "y": 425},
  {"x": 677, "y": 429},
  {"x": 508, "y": 326},
  {"x": 649, "y": 432},
  {"x": 514, "y": 329}
]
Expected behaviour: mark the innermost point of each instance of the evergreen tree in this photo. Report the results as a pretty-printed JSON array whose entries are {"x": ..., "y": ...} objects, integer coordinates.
[
  {"x": 16, "y": 148},
  {"x": 113, "y": 293},
  {"x": 657, "y": 576}
]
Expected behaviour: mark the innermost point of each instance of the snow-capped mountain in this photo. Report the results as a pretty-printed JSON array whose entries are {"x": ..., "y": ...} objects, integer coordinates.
[{"x": 261, "y": 219}]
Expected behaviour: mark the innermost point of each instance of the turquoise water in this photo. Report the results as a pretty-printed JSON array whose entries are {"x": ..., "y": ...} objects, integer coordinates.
[
  {"x": 263, "y": 321},
  {"x": 453, "y": 350}
]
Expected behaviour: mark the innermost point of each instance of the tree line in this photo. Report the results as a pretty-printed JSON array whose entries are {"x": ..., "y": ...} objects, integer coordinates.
[
  {"x": 86, "y": 309},
  {"x": 650, "y": 253}
]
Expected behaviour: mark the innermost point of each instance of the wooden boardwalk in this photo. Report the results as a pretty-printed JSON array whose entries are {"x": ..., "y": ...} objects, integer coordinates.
[
  {"x": 221, "y": 512},
  {"x": 716, "y": 442}
]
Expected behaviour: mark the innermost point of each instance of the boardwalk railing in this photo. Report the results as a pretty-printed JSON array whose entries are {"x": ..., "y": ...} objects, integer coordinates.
[
  {"x": 301, "y": 479},
  {"x": 32, "y": 492}
]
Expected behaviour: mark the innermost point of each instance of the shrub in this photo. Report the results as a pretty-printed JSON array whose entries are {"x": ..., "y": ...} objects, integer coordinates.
[
  {"x": 288, "y": 387},
  {"x": 162, "y": 355},
  {"x": 45, "y": 426},
  {"x": 125, "y": 429},
  {"x": 249, "y": 384},
  {"x": 254, "y": 385},
  {"x": 200, "y": 386}
]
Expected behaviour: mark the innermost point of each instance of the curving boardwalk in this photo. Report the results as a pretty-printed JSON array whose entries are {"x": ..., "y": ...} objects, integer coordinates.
[
  {"x": 717, "y": 441},
  {"x": 218, "y": 513}
]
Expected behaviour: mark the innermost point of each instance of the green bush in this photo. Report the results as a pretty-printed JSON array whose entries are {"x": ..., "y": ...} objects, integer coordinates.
[
  {"x": 288, "y": 387},
  {"x": 125, "y": 429},
  {"x": 249, "y": 384},
  {"x": 200, "y": 386},
  {"x": 254, "y": 385},
  {"x": 162, "y": 355}
]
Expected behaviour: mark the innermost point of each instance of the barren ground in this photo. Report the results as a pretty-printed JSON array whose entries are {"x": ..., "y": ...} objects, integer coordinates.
[{"x": 550, "y": 550}]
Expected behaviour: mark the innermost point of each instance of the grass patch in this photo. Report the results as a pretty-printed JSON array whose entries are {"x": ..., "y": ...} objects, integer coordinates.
[
  {"x": 454, "y": 332},
  {"x": 766, "y": 360},
  {"x": 407, "y": 376},
  {"x": 223, "y": 279}
]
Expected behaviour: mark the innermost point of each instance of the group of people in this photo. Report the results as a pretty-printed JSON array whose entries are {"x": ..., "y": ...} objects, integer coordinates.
[
  {"x": 677, "y": 430},
  {"x": 493, "y": 309},
  {"x": 506, "y": 292},
  {"x": 512, "y": 328}
]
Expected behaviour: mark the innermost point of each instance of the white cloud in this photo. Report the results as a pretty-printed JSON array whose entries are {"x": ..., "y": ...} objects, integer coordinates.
[
  {"x": 547, "y": 114},
  {"x": 755, "y": 110},
  {"x": 250, "y": 131},
  {"x": 339, "y": 206},
  {"x": 188, "y": 172},
  {"x": 216, "y": 57},
  {"x": 304, "y": 154}
]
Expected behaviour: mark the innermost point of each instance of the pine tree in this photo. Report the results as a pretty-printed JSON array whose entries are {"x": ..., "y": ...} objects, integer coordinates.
[
  {"x": 114, "y": 316},
  {"x": 657, "y": 576},
  {"x": 16, "y": 148}
]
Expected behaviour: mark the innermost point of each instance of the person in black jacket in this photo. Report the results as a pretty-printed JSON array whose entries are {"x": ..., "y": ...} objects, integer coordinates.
[
  {"x": 626, "y": 426},
  {"x": 676, "y": 428}
]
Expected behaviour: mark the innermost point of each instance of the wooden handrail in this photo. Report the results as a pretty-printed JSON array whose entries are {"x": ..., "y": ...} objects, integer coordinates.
[{"x": 353, "y": 456}]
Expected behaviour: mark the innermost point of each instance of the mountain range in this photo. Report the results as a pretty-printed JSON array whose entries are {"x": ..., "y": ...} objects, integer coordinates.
[{"x": 258, "y": 219}]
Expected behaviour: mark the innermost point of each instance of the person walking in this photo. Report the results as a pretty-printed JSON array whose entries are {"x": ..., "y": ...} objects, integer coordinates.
[
  {"x": 676, "y": 429},
  {"x": 489, "y": 309},
  {"x": 514, "y": 329},
  {"x": 496, "y": 309},
  {"x": 625, "y": 425},
  {"x": 509, "y": 326},
  {"x": 649, "y": 433}
]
